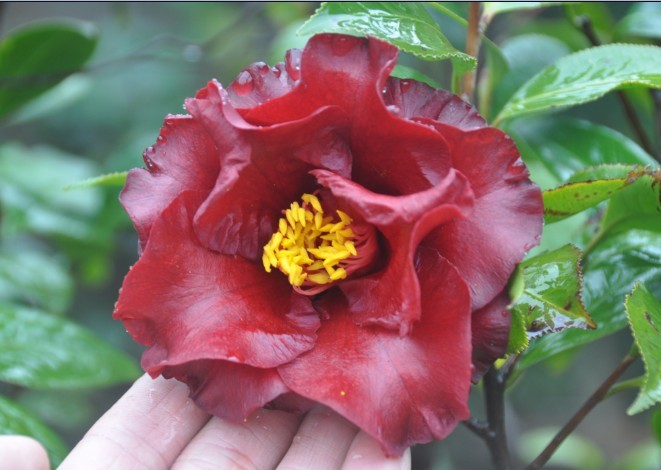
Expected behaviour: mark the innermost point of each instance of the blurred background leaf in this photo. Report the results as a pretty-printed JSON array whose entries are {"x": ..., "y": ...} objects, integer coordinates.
[{"x": 36, "y": 57}]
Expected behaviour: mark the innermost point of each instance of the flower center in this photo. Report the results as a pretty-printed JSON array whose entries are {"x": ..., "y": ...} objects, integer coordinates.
[{"x": 315, "y": 249}]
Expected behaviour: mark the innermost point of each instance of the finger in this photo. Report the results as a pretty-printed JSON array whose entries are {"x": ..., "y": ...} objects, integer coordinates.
[
  {"x": 258, "y": 443},
  {"x": 365, "y": 452},
  {"x": 22, "y": 453},
  {"x": 147, "y": 428},
  {"x": 321, "y": 442}
]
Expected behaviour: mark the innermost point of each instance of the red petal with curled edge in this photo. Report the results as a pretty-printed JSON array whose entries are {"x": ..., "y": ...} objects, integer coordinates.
[
  {"x": 506, "y": 220},
  {"x": 391, "y": 297},
  {"x": 259, "y": 83},
  {"x": 419, "y": 100},
  {"x": 225, "y": 389},
  {"x": 391, "y": 155},
  {"x": 184, "y": 158},
  {"x": 187, "y": 303},
  {"x": 263, "y": 170},
  {"x": 490, "y": 328},
  {"x": 401, "y": 390}
]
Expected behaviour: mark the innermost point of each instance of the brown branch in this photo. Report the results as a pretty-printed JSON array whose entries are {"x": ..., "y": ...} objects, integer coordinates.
[
  {"x": 494, "y": 391},
  {"x": 472, "y": 48},
  {"x": 582, "y": 412}
]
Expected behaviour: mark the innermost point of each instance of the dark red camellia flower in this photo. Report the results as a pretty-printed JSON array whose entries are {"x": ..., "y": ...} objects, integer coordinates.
[{"x": 322, "y": 232}]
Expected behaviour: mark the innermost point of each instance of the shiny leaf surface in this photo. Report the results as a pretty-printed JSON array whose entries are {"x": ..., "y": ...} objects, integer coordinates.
[
  {"x": 405, "y": 25},
  {"x": 42, "y": 351},
  {"x": 34, "y": 58},
  {"x": 586, "y": 76},
  {"x": 609, "y": 273},
  {"x": 555, "y": 149},
  {"x": 588, "y": 189},
  {"x": 551, "y": 297},
  {"x": 16, "y": 420},
  {"x": 644, "y": 313}
]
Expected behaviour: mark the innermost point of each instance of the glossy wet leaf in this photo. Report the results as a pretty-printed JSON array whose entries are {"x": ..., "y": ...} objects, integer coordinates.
[
  {"x": 41, "y": 351},
  {"x": 36, "y": 57},
  {"x": 588, "y": 188},
  {"x": 406, "y": 25},
  {"x": 14, "y": 419},
  {"x": 36, "y": 279},
  {"x": 586, "y": 76},
  {"x": 644, "y": 313},
  {"x": 551, "y": 296},
  {"x": 117, "y": 178},
  {"x": 555, "y": 149},
  {"x": 609, "y": 273}
]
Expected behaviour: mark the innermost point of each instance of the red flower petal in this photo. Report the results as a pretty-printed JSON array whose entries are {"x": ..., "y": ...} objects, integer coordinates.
[
  {"x": 399, "y": 389},
  {"x": 391, "y": 298},
  {"x": 414, "y": 99},
  {"x": 262, "y": 171},
  {"x": 187, "y": 303},
  {"x": 506, "y": 220},
  {"x": 490, "y": 327},
  {"x": 259, "y": 83},
  {"x": 184, "y": 158},
  {"x": 225, "y": 389},
  {"x": 391, "y": 155}
]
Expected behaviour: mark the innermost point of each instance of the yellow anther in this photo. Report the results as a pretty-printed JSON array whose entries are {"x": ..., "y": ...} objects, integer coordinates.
[
  {"x": 344, "y": 217},
  {"x": 307, "y": 247}
]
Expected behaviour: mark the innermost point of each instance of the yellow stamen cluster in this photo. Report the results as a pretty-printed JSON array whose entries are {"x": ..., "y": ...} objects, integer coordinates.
[{"x": 309, "y": 247}]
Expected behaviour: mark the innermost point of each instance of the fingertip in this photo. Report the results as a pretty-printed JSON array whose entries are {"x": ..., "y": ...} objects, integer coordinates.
[
  {"x": 365, "y": 452},
  {"x": 22, "y": 453}
]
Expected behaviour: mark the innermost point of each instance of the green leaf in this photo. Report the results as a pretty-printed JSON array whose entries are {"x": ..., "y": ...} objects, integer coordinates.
[
  {"x": 588, "y": 188},
  {"x": 526, "y": 55},
  {"x": 640, "y": 24},
  {"x": 36, "y": 279},
  {"x": 406, "y": 25},
  {"x": 36, "y": 57},
  {"x": 52, "y": 210},
  {"x": 16, "y": 420},
  {"x": 609, "y": 272},
  {"x": 586, "y": 76},
  {"x": 638, "y": 207},
  {"x": 551, "y": 297},
  {"x": 518, "y": 340},
  {"x": 117, "y": 178},
  {"x": 644, "y": 313},
  {"x": 402, "y": 71},
  {"x": 494, "y": 8},
  {"x": 656, "y": 425},
  {"x": 555, "y": 149},
  {"x": 42, "y": 351},
  {"x": 597, "y": 13}
]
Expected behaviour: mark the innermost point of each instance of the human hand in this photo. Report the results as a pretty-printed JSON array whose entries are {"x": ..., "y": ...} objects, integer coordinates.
[{"x": 156, "y": 426}]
